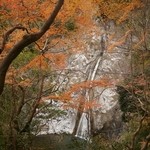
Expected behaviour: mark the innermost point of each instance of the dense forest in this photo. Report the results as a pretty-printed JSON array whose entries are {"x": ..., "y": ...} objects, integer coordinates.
[{"x": 85, "y": 58}]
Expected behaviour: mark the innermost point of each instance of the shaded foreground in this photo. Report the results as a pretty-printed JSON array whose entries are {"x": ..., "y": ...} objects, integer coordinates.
[{"x": 58, "y": 142}]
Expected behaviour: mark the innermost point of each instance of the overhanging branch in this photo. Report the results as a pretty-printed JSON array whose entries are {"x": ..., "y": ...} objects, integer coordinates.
[
  {"x": 24, "y": 42},
  {"x": 7, "y": 34}
]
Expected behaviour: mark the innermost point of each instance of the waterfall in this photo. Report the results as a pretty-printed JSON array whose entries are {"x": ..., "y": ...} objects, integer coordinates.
[
  {"x": 94, "y": 63},
  {"x": 85, "y": 129}
]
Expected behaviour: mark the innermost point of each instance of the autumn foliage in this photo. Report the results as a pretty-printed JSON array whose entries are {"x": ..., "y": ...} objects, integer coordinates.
[
  {"x": 30, "y": 15},
  {"x": 42, "y": 35},
  {"x": 29, "y": 26}
]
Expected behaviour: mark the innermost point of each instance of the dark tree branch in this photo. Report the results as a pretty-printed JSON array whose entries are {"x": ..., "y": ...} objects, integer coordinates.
[
  {"x": 136, "y": 133},
  {"x": 21, "y": 104},
  {"x": 34, "y": 107},
  {"x": 147, "y": 140},
  {"x": 7, "y": 34},
  {"x": 25, "y": 41}
]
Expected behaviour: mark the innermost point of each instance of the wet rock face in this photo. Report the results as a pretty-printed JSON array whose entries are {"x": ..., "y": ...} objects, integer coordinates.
[
  {"x": 111, "y": 123},
  {"x": 96, "y": 62}
]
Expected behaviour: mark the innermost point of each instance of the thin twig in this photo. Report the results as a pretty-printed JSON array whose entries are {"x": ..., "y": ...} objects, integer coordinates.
[
  {"x": 136, "y": 133},
  {"x": 145, "y": 146}
]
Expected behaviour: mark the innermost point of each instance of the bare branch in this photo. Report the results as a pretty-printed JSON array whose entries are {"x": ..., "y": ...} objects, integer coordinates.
[
  {"x": 145, "y": 146},
  {"x": 7, "y": 34},
  {"x": 136, "y": 133},
  {"x": 35, "y": 105}
]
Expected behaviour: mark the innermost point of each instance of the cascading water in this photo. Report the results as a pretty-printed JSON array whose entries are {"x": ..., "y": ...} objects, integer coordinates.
[
  {"x": 83, "y": 130},
  {"x": 84, "y": 126},
  {"x": 95, "y": 63}
]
